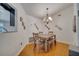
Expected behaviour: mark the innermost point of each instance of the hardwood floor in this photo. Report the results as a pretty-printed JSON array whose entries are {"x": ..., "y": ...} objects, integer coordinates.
[{"x": 60, "y": 49}]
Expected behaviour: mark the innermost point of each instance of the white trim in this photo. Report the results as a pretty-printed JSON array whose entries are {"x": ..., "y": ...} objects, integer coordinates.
[{"x": 62, "y": 42}]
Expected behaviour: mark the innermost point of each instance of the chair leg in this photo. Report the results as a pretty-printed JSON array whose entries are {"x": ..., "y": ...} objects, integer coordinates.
[
  {"x": 37, "y": 48},
  {"x": 51, "y": 45},
  {"x": 48, "y": 47},
  {"x": 34, "y": 48},
  {"x": 55, "y": 42}
]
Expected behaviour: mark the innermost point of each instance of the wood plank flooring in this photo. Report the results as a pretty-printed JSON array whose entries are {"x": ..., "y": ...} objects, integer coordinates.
[{"x": 60, "y": 49}]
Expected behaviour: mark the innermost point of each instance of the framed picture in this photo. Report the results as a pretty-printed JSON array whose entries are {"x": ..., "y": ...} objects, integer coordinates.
[{"x": 74, "y": 24}]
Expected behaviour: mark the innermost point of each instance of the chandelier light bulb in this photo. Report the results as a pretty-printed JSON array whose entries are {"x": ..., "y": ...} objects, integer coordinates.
[
  {"x": 50, "y": 18},
  {"x": 47, "y": 18}
]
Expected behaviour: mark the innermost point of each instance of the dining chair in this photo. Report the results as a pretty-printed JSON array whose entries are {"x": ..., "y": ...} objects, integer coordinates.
[
  {"x": 41, "y": 45},
  {"x": 42, "y": 42},
  {"x": 50, "y": 32},
  {"x": 51, "y": 40},
  {"x": 35, "y": 37},
  {"x": 40, "y": 32},
  {"x": 38, "y": 42},
  {"x": 54, "y": 38},
  {"x": 31, "y": 40}
]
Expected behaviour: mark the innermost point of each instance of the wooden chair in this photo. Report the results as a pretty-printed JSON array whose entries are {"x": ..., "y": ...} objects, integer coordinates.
[
  {"x": 50, "y": 33},
  {"x": 52, "y": 40},
  {"x": 50, "y": 43},
  {"x": 41, "y": 45},
  {"x": 38, "y": 42},
  {"x": 31, "y": 40},
  {"x": 35, "y": 37},
  {"x": 53, "y": 36},
  {"x": 40, "y": 32}
]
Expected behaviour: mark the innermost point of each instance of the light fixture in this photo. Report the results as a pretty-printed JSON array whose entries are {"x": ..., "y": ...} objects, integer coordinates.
[
  {"x": 50, "y": 18},
  {"x": 47, "y": 18}
]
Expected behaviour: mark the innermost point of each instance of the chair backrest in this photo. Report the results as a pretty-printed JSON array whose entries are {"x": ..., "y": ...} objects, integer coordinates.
[
  {"x": 50, "y": 32},
  {"x": 40, "y": 32},
  {"x": 54, "y": 36},
  {"x": 35, "y": 36},
  {"x": 31, "y": 39}
]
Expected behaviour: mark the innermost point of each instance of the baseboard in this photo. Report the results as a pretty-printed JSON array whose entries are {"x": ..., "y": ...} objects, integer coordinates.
[
  {"x": 62, "y": 42},
  {"x": 21, "y": 49}
]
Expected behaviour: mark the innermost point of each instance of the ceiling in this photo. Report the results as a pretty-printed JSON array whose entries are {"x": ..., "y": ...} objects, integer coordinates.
[{"x": 39, "y": 9}]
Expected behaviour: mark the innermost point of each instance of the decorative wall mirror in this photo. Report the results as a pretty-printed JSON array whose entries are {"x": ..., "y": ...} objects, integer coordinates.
[
  {"x": 36, "y": 26},
  {"x": 23, "y": 25},
  {"x": 47, "y": 27}
]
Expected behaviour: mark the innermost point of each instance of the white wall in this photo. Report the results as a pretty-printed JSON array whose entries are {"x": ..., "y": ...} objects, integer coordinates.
[
  {"x": 76, "y": 9},
  {"x": 10, "y": 42},
  {"x": 65, "y": 21}
]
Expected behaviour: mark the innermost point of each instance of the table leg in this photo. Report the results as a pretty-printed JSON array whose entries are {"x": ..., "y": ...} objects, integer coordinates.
[{"x": 37, "y": 45}]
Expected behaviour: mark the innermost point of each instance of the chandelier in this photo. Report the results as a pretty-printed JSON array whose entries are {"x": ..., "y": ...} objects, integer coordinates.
[{"x": 47, "y": 18}]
